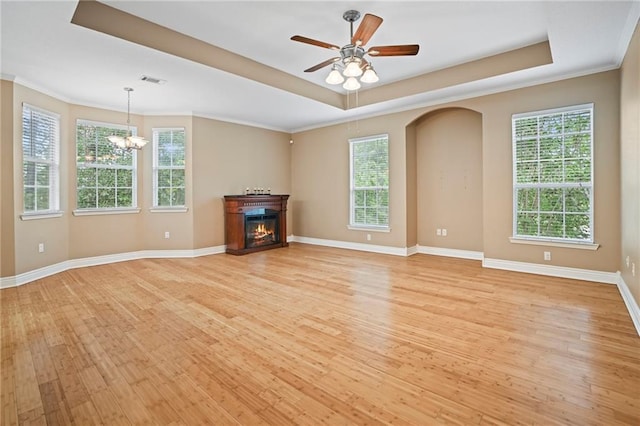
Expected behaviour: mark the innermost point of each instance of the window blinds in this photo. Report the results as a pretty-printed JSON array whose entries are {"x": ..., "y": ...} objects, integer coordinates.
[{"x": 40, "y": 155}]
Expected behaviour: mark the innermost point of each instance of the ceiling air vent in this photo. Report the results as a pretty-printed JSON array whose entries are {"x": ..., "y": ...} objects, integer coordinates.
[{"x": 152, "y": 80}]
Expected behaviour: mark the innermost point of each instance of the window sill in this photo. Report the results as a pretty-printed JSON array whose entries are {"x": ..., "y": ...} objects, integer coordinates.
[
  {"x": 99, "y": 212},
  {"x": 179, "y": 209},
  {"x": 41, "y": 215},
  {"x": 369, "y": 228},
  {"x": 551, "y": 243}
]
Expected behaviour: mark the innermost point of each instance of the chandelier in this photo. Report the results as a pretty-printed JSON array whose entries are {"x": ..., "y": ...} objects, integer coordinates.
[
  {"x": 130, "y": 141},
  {"x": 353, "y": 65}
]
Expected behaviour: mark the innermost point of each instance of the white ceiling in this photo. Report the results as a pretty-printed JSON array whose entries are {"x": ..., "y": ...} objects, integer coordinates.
[{"x": 43, "y": 50}]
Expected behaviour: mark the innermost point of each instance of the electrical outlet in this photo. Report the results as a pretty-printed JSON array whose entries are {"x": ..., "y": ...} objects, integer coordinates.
[
  {"x": 41, "y": 248},
  {"x": 167, "y": 235},
  {"x": 547, "y": 255},
  {"x": 627, "y": 261},
  {"x": 444, "y": 232},
  {"x": 368, "y": 237},
  {"x": 438, "y": 231}
]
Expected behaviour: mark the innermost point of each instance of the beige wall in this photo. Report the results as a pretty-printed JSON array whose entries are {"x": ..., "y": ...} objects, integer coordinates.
[
  {"x": 102, "y": 234},
  {"x": 227, "y": 158},
  {"x": 320, "y": 181},
  {"x": 412, "y": 186},
  {"x": 449, "y": 156},
  {"x": 603, "y": 90},
  {"x": 221, "y": 158},
  {"x": 320, "y": 172},
  {"x": 630, "y": 164},
  {"x": 7, "y": 232},
  {"x": 179, "y": 224},
  {"x": 52, "y": 232}
]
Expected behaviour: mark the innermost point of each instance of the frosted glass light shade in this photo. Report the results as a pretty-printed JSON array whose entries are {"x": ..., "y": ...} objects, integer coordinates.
[
  {"x": 351, "y": 84},
  {"x": 137, "y": 142},
  {"x": 116, "y": 140},
  {"x": 353, "y": 69},
  {"x": 128, "y": 143},
  {"x": 369, "y": 76},
  {"x": 334, "y": 77}
]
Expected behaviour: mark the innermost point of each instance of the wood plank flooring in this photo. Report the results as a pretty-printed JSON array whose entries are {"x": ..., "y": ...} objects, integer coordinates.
[{"x": 310, "y": 335}]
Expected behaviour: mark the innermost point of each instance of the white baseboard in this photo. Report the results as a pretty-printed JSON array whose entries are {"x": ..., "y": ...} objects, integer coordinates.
[
  {"x": 553, "y": 271},
  {"x": 439, "y": 251},
  {"x": 396, "y": 251},
  {"x": 159, "y": 254},
  {"x": 630, "y": 302},
  {"x": 27, "y": 277}
]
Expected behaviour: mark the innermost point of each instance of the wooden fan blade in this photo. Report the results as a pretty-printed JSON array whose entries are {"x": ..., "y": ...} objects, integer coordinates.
[
  {"x": 322, "y": 65},
  {"x": 368, "y": 26},
  {"x": 307, "y": 40},
  {"x": 400, "y": 50}
]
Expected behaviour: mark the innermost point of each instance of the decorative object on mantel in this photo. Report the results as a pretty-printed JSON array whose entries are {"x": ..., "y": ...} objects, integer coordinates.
[
  {"x": 351, "y": 60},
  {"x": 257, "y": 191},
  {"x": 255, "y": 222},
  {"x": 130, "y": 141}
]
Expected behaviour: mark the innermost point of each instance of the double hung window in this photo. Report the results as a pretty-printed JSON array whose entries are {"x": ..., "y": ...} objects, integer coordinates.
[
  {"x": 40, "y": 160},
  {"x": 168, "y": 167},
  {"x": 553, "y": 174},
  {"x": 369, "y": 159},
  {"x": 106, "y": 174}
]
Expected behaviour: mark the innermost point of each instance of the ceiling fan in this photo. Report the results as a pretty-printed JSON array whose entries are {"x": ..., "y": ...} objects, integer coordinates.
[{"x": 352, "y": 56}]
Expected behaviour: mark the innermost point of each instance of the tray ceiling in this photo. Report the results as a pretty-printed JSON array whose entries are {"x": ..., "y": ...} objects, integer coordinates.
[{"x": 235, "y": 61}]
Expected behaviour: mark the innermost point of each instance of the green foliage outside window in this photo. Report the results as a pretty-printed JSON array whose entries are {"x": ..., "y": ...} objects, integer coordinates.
[
  {"x": 370, "y": 181},
  {"x": 553, "y": 175},
  {"x": 169, "y": 167},
  {"x": 106, "y": 174}
]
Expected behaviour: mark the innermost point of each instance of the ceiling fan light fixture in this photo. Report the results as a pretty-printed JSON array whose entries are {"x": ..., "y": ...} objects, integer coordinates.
[
  {"x": 351, "y": 84},
  {"x": 353, "y": 68},
  {"x": 129, "y": 141},
  {"x": 352, "y": 60},
  {"x": 334, "y": 76},
  {"x": 369, "y": 75}
]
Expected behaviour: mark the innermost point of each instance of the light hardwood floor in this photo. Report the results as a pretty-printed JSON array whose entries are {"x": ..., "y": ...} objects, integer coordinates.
[{"x": 313, "y": 335}]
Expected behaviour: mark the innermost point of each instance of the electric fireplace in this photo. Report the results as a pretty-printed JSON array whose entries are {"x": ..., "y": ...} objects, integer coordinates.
[{"x": 255, "y": 222}]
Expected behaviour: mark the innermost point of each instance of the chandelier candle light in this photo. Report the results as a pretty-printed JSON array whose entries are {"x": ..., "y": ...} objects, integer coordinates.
[{"x": 130, "y": 141}]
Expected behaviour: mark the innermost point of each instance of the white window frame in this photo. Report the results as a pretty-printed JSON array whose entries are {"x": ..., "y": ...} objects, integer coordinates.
[
  {"x": 157, "y": 167},
  {"x": 53, "y": 163},
  {"x": 134, "y": 172},
  {"x": 352, "y": 188},
  {"x": 549, "y": 240}
]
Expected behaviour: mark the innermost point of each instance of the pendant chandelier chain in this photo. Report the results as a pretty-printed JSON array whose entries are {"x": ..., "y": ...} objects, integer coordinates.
[
  {"x": 129, "y": 90},
  {"x": 128, "y": 142}
]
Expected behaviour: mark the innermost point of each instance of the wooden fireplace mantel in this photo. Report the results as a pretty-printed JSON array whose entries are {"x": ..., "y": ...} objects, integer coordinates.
[{"x": 235, "y": 207}]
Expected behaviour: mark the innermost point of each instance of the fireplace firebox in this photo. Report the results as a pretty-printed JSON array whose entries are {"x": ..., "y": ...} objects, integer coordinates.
[
  {"x": 255, "y": 222},
  {"x": 261, "y": 228}
]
